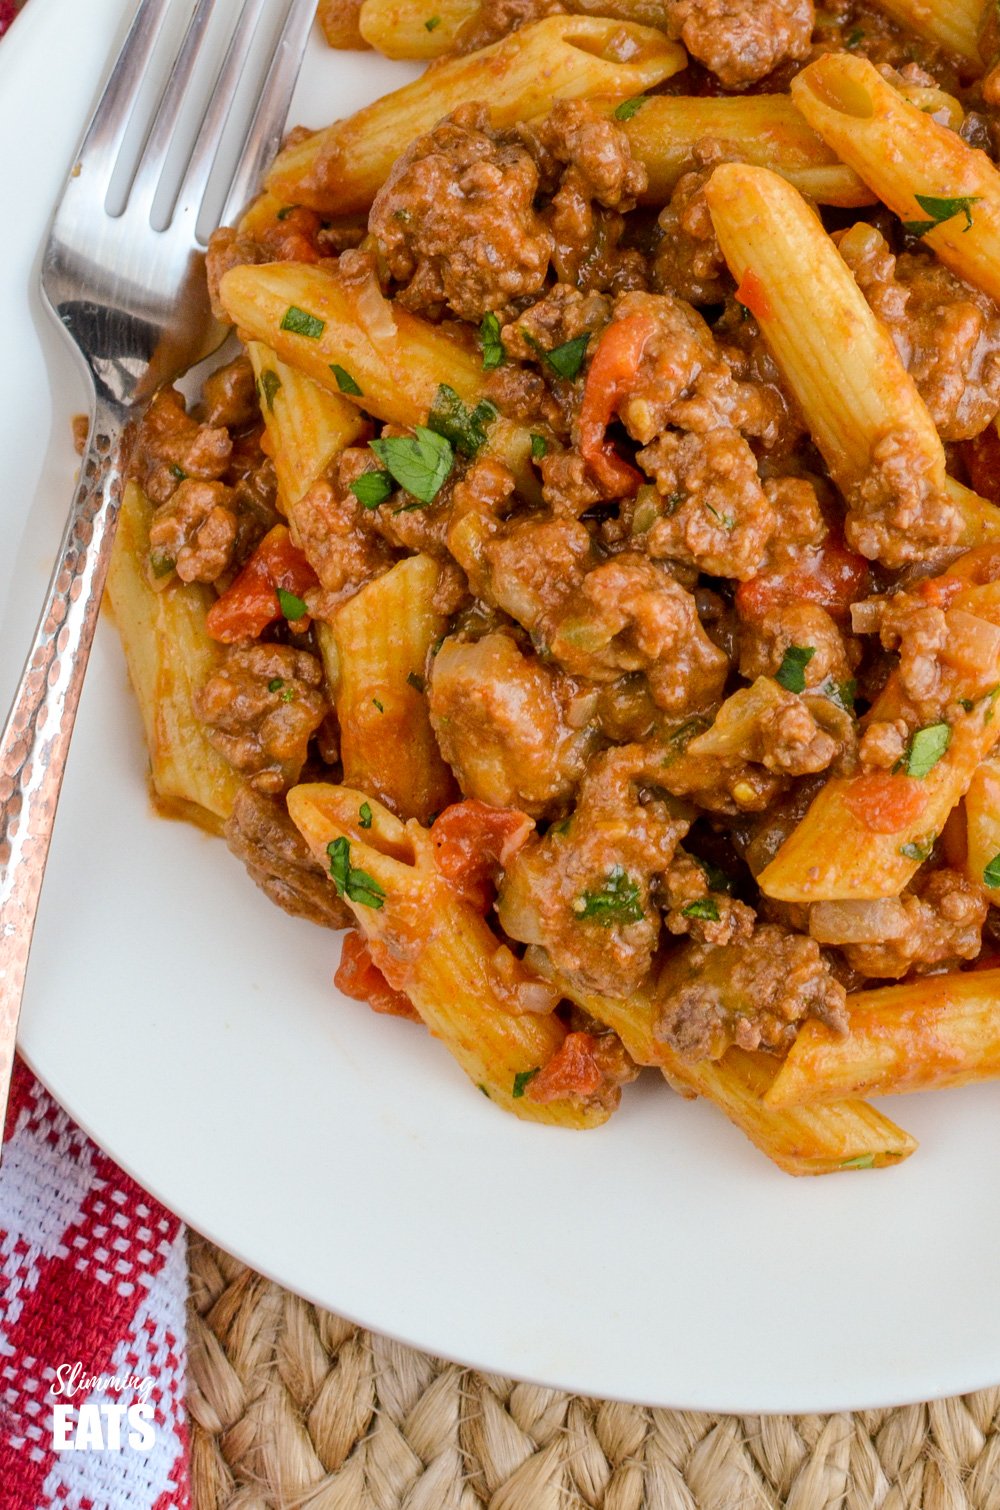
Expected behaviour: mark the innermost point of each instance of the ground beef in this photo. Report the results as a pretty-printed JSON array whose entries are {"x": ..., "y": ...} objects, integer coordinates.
[
  {"x": 693, "y": 908},
  {"x": 195, "y": 531},
  {"x": 883, "y": 744},
  {"x": 296, "y": 237},
  {"x": 498, "y": 18},
  {"x": 764, "y": 641},
  {"x": 456, "y": 224},
  {"x": 896, "y": 512},
  {"x": 512, "y": 729},
  {"x": 330, "y": 527},
  {"x": 943, "y": 924},
  {"x": 260, "y": 710},
  {"x": 583, "y": 892},
  {"x": 919, "y": 632},
  {"x": 171, "y": 446},
  {"x": 741, "y": 41},
  {"x": 718, "y": 516},
  {"x": 751, "y": 992},
  {"x": 946, "y": 332},
  {"x": 229, "y": 395},
  {"x": 260, "y": 833},
  {"x": 688, "y": 260},
  {"x": 564, "y": 314}
]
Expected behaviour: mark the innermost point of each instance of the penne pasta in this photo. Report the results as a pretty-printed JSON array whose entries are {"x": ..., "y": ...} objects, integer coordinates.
[
  {"x": 902, "y": 153},
  {"x": 929, "y": 1034},
  {"x": 982, "y": 828},
  {"x": 418, "y": 29},
  {"x": 339, "y": 20},
  {"x": 307, "y": 426},
  {"x": 805, "y": 1140},
  {"x": 169, "y": 655},
  {"x": 951, "y": 24},
  {"x": 376, "y": 651},
  {"x": 844, "y": 370},
  {"x": 435, "y": 947},
  {"x": 341, "y": 169}
]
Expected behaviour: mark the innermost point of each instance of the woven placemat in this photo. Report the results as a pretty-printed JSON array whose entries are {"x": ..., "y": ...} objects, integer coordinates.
[{"x": 293, "y": 1408}]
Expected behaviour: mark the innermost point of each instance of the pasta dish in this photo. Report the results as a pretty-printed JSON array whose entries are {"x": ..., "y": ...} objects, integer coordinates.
[{"x": 583, "y": 586}]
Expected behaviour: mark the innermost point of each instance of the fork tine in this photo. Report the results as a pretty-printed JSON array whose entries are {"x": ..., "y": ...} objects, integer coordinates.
[
  {"x": 268, "y": 122},
  {"x": 203, "y": 155},
  {"x": 150, "y": 167},
  {"x": 110, "y": 124}
]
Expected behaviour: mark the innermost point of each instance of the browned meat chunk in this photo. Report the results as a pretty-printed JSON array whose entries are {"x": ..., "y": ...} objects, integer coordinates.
[
  {"x": 741, "y": 41},
  {"x": 295, "y": 237},
  {"x": 456, "y": 223},
  {"x": 897, "y": 513},
  {"x": 718, "y": 516},
  {"x": 230, "y": 395},
  {"x": 693, "y": 908},
  {"x": 171, "y": 446},
  {"x": 509, "y": 726},
  {"x": 335, "y": 533},
  {"x": 941, "y": 922},
  {"x": 751, "y": 993},
  {"x": 689, "y": 261},
  {"x": 497, "y": 18},
  {"x": 946, "y": 332},
  {"x": 261, "y": 708},
  {"x": 195, "y": 531},
  {"x": 765, "y": 641},
  {"x": 584, "y": 891},
  {"x": 261, "y": 834},
  {"x": 562, "y": 315}
]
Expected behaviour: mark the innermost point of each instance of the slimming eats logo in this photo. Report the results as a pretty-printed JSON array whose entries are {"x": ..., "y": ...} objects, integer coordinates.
[{"x": 105, "y": 1425}]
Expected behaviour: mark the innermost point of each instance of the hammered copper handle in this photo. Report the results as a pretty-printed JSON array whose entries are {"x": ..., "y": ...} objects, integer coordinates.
[{"x": 35, "y": 741}]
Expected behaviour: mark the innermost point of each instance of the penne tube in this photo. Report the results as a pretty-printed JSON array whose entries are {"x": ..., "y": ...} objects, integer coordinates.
[
  {"x": 435, "y": 947},
  {"x": 901, "y": 153},
  {"x": 951, "y": 24},
  {"x": 307, "y": 427},
  {"x": 929, "y": 1034},
  {"x": 982, "y": 828},
  {"x": 169, "y": 656},
  {"x": 395, "y": 360},
  {"x": 339, "y": 20},
  {"x": 804, "y": 1140},
  {"x": 417, "y": 29},
  {"x": 341, "y": 169},
  {"x": 843, "y": 368},
  {"x": 765, "y": 129},
  {"x": 376, "y": 651}
]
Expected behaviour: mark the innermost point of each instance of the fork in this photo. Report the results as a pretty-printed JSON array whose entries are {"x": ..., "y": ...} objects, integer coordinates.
[{"x": 133, "y": 301}]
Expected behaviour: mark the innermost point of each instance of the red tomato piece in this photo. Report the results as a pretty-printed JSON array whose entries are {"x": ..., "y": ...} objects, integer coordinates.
[
  {"x": 473, "y": 841},
  {"x": 982, "y": 457},
  {"x": 884, "y": 803},
  {"x": 614, "y": 369},
  {"x": 250, "y": 603},
  {"x": 753, "y": 296},
  {"x": 830, "y": 575},
  {"x": 359, "y": 977},
  {"x": 573, "y": 1070}
]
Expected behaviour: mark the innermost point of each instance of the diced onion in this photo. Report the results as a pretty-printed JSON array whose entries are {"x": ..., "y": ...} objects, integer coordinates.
[{"x": 857, "y": 922}]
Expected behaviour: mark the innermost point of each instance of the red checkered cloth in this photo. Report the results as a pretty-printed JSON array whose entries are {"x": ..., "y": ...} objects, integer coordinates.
[
  {"x": 93, "y": 1278},
  {"x": 8, "y": 10}
]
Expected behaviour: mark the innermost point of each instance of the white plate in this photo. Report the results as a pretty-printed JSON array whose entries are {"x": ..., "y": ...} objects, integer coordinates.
[{"x": 193, "y": 1029}]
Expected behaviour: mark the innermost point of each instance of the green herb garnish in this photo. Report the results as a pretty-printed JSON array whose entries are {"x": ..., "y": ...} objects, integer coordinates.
[
  {"x": 857, "y": 36},
  {"x": 275, "y": 684},
  {"x": 941, "y": 210},
  {"x": 345, "y": 382},
  {"x": 991, "y": 874},
  {"x": 292, "y": 607},
  {"x": 378, "y": 705},
  {"x": 178, "y": 472},
  {"x": 372, "y": 488},
  {"x": 365, "y": 815},
  {"x": 420, "y": 463},
  {"x": 267, "y": 386},
  {"x": 926, "y": 748},
  {"x": 706, "y": 910},
  {"x": 918, "y": 849},
  {"x": 357, "y": 885},
  {"x": 628, "y": 108},
  {"x": 863, "y": 1161},
  {"x": 716, "y": 878},
  {"x": 565, "y": 360},
  {"x": 522, "y": 1080},
  {"x": 539, "y": 447},
  {"x": 161, "y": 566},
  {"x": 726, "y": 520},
  {"x": 464, "y": 428},
  {"x": 616, "y": 901},
  {"x": 415, "y": 681},
  {"x": 791, "y": 674},
  {"x": 490, "y": 343},
  {"x": 840, "y": 693},
  {"x": 432, "y": 23},
  {"x": 301, "y": 323}
]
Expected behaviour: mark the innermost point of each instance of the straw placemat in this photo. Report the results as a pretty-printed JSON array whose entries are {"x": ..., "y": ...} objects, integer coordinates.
[{"x": 293, "y": 1407}]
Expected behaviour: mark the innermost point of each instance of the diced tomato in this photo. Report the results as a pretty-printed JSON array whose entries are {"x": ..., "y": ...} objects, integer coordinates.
[
  {"x": 830, "y": 575},
  {"x": 884, "y": 803},
  {"x": 473, "y": 841},
  {"x": 982, "y": 457},
  {"x": 753, "y": 295},
  {"x": 614, "y": 369},
  {"x": 250, "y": 603},
  {"x": 293, "y": 238},
  {"x": 939, "y": 592},
  {"x": 359, "y": 977},
  {"x": 573, "y": 1070}
]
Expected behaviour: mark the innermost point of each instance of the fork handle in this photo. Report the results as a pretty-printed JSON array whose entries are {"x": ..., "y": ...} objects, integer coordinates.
[{"x": 35, "y": 740}]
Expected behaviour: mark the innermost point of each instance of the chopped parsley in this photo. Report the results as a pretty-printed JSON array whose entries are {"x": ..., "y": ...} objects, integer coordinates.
[
  {"x": 345, "y": 382},
  {"x": 292, "y": 607},
  {"x": 941, "y": 210},
  {"x": 301, "y": 323},
  {"x": 522, "y": 1080},
  {"x": 414, "y": 680},
  {"x": 356, "y": 885},
  {"x": 672, "y": 502},
  {"x": 615, "y": 901},
  {"x": 706, "y": 910},
  {"x": 464, "y": 428},
  {"x": 791, "y": 674},
  {"x": 840, "y": 693},
  {"x": 918, "y": 849},
  {"x": 991, "y": 873},
  {"x": 267, "y": 386},
  {"x": 539, "y": 447},
  {"x": 926, "y": 747},
  {"x": 275, "y": 684},
  {"x": 372, "y": 488},
  {"x": 178, "y": 472},
  {"x": 378, "y": 705},
  {"x": 420, "y": 463},
  {"x": 857, "y": 36},
  {"x": 716, "y": 878},
  {"x": 565, "y": 360},
  {"x": 726, "y": 520},
  {"x": 628, "y": 108},
  {"x": 161, "y": 566},
  {"x": 490, "y": 343},
  {"x": 432, "y": 23},
  {"x": 365, "y": 815},
  {"x": 863, "y": 1161}
]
